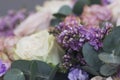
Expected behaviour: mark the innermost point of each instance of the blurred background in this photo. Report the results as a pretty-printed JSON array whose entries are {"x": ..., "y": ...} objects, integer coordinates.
[{"x": 6, "y": 5}]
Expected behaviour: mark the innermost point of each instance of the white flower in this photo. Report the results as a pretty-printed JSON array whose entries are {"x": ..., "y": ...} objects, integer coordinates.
[{"x": 39, "y": 46}]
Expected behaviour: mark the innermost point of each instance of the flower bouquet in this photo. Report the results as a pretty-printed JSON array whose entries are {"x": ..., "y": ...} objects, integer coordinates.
[{"x": 62, "y": 40}]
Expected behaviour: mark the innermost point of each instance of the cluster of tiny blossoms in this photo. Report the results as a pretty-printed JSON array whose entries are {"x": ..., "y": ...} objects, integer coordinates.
[
  {"x": 72, "y": 36},
  {"x": 9, "y": 22}
]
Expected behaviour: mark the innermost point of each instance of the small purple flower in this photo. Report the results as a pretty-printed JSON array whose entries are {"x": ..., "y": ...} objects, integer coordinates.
[
  {"x": 105, "y": 2},
  {"x": 3, "y": 68},
  {"x": 77, "y": 74}
]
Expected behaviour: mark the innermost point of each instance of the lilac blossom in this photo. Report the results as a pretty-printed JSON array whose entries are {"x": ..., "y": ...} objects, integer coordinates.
[
  {"x": 77, "y": 74},
  {"x": 3, "y": 68},
  {"x": 71, "y": 35}
]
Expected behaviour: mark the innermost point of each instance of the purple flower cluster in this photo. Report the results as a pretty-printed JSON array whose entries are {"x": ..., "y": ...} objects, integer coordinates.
[
  {"x": 71, "y": 35},
  {"x": 3, "y": 68},
  {"x": 77, "y": 74},
  {"x": 9, "y": 22},
  {"x": 73, "y": 38}
]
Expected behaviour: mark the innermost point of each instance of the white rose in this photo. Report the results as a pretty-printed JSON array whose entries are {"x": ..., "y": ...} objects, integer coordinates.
[{"x": 39, "y": 46}]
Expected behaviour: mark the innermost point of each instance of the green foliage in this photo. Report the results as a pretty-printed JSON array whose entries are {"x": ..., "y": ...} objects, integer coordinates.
[
  {"x": 111, "y": 53},
  {"x": 34, "y": 70},
  {"x": 112, "y": 40},
  {"x": 65, "y": 10},
  {"x": 79, "y": 5},
  {"x": 55, "y": 22},
  {"x": 95, "y": 2},
  {"x": 14, "y": 74},
  {"x": 22, "y": 65},
  {"x": 108, "y": 70},
  {"x": 91, "y": 57},
  {"x": 90, "y": 70},
  {"x": 109, "y": 58}
]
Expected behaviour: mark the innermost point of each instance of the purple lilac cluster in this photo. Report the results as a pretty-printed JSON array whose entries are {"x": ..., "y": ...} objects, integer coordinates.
[
  {"x": 72, "y": 36},
  {"x": 78, "y": 74},
  {"x": 9, "y": 22},
  {"x": 3, "y": 68}
]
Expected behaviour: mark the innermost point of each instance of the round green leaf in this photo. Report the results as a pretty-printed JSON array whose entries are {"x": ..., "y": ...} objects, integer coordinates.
[
  {"x": 108, "y": 70},
  {"x": 112, "y": 40},
  {"x": 14, "y": 74},
  {"x": 90, "y": 70},
  {"x": 22, "y": 65},
  {"x": 91, "y": 56},
  {"x": 65, "y": 10},
  {"x": 79, "y": 5},
  {"x": 109, "y": 58}
]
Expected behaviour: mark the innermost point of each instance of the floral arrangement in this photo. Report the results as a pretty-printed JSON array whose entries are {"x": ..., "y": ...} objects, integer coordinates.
[{"x": 62, "y": 40}]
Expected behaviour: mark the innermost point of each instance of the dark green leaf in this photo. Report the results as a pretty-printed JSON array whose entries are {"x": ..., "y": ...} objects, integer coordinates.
[
  {"x": 14, "y": 74},
  {"x": 43, "y": 68},
  {"x": 112, "y": 40},
  {"x": 95, "y": 2},
  {"x": 108, "y": 70},
  {"x": 22, "y": 65},
  {"x": 65, "y": 10},
  {"x": 33, "y": 70},
  {"x": 109, "y": 58},
  {"x": 90, "y": 70},
  {"x": 91, "y": 56},
  {"x": 55, "y": 22},
  {"x": 53, "y": 72},
  {"x": 59, "y": 15},
  {"x": 79, "y": 5}
]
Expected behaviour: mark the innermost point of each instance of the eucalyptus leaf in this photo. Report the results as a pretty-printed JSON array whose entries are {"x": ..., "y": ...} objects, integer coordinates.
[
  {"x": 112, "y": 40},
  {"x": 55, "y": 22},
  {"x": 108, "y": 70},
  {"x": 109, "y": 58},
  {"x": 36, "y": 70},
  {"x": 90, "y": 70},
  {"x": 59, "y": 15},
  {"x": 91, "y": 56},
  {"x": 79, "y": 5},
  {"x": 53, "y": 72},
  {"x": 33, "y": 70},
  {"x": 22, "y": 65},
  {"x": 65, "y": 10},
  {"x": 14, "y": 74},
  {"x": 95, "y": 2}
]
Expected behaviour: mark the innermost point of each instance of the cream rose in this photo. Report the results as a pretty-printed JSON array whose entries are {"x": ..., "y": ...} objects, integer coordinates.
[{"x": 39, "y": 46}]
